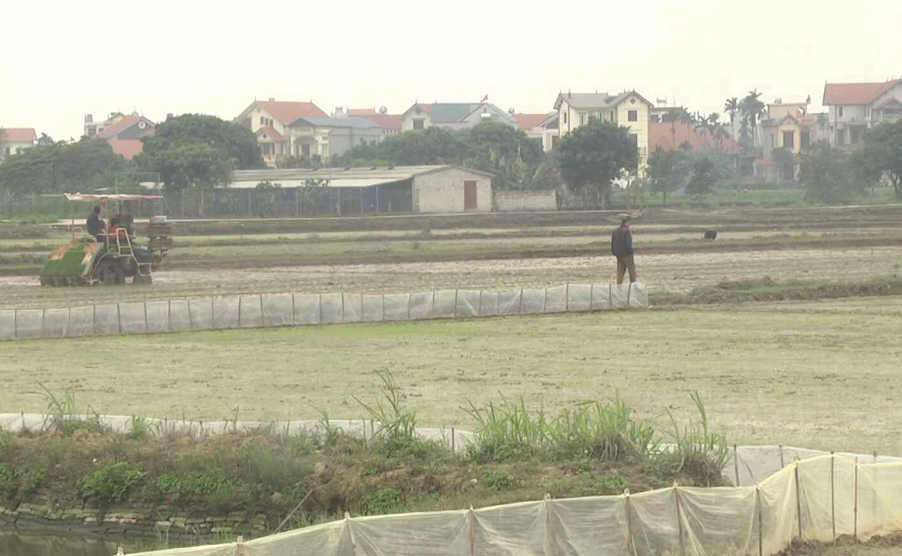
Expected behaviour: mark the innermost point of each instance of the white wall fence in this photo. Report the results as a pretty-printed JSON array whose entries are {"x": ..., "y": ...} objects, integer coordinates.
[
  {"x": 781, "y": 494},
  {"x": 521, "y": 201},
  {"x": 287, "y": 309}
]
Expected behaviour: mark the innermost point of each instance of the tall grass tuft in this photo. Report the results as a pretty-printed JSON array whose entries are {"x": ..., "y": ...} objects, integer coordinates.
[
  {"x": 62, "y": 415},
  {"x": 397, "y": 426},
  {"x": 702, "y": 453}
]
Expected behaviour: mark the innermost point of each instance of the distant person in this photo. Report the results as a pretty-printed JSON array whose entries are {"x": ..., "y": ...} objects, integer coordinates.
[
  {"x": 96, "y": 225},
  {"x": 622, "y": 248}
]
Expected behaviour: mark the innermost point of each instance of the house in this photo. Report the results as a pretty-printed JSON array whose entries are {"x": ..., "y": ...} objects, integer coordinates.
[
  {"x": 462, "y": 115},
  {"x": 676, "y": 134},
  {"x": 421, "y": 189},
  {"x": 14, "y": 140},
  {"x": 125, "y": 133},
  {"x": 269, "y": 121},
  {"x": 541, "y": 127},
  {"x": 326, "y": 136},
  {"x": 854, "y": 107},
  {"x": 390, "y": 123},
  {"x": 628, "y": 109}
]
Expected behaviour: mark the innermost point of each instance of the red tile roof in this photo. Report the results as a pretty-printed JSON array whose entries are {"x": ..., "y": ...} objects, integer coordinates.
[
  {"x": 529, "y": 121},
  {"x": 19, "y": 134},
  {"x": 287, "y": 112},
  {"x": 385, "y": 121},
  {"x": 124, "y": 124},
  {"x": 128, "y": 148},
  {"x": 362, "y": 112},
  {"x": 661, "y": 134},
  {"x": 856, "y": 93},
  {"x": 270, "y": 133}
]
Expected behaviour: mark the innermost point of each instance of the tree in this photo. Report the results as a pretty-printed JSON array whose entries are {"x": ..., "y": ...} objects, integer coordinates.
[
  {"x": 45, "y": 140},
  {"x": 702, "y": 178},
  {"x": 183, "y": 165},
  {"x": 731, "y": 107},
  {"x": 80, "y": 166},
  {"x": 882, "y": 154},
  {"x": 229, "y": 140},
  {"x": 666, "y": 171},
  {"x": 752, "y": 111},
  {"x": 675, "y": 115},
  {"x": 826, "y": 175},
  {"x": 785, "y": 163},
  {"x": 592, "y": 156}
]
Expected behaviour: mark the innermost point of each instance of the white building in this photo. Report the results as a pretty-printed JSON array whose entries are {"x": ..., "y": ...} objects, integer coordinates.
[
  {"x": 854, "y": 107},
  {"x": 628, "y": 109},
  {"x": 16, "y": 139},
  {"x": 453, "y": 115}
]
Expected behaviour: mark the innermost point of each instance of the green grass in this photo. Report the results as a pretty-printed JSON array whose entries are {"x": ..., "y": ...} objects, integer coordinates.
[{"x": 768, "y": 372}]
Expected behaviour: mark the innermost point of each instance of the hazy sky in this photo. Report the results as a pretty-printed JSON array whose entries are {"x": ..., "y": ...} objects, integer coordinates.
[{"x": 62, "y": 60}]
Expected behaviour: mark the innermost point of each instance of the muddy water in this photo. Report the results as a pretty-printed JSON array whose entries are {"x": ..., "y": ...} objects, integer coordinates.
[{"x": 18, "y": 544}]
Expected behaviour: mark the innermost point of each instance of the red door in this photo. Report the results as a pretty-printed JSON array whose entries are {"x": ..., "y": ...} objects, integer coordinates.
[{"x": 469, "y": 195}]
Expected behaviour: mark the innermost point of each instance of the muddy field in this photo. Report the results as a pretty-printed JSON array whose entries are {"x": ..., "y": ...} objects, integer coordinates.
[{"x": 822, "y": 374}]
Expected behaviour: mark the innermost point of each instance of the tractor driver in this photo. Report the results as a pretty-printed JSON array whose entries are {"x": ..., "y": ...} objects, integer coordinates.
[{"x": 96, "y": 225}]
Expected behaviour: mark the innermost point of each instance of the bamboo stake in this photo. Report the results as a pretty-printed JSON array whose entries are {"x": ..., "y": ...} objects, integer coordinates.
[
  {"x": 453, "y": 451},
  {"x": 351, "y": 533},
  {"x": 471, "y": 517},
  {"x": 676, "y": 495},
  {"x": 832, "y": 496},
  {"x": 631, "y": 549},
  {"x": 855, "y": 528},
  {"x": 782, "y": 463},
  {"x": 736, "y": 463},
  {"x": 798, "y": 500},
  {"x": 760, "y": 521},
  {"x": 238, "y": 546}
]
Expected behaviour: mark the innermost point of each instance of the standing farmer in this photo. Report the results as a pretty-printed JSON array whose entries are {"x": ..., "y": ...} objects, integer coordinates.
[{"x": 622, "y": 248}]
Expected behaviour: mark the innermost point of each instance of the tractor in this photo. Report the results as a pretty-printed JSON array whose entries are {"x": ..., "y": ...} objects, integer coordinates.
[{"x": 113, "y": 256}]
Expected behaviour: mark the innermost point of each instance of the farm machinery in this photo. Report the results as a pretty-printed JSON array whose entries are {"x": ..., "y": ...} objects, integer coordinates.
[{"x": 112, "y": 256}]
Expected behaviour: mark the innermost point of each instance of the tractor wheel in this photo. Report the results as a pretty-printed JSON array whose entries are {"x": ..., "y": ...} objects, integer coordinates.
[{"x": 109, "y": 273}]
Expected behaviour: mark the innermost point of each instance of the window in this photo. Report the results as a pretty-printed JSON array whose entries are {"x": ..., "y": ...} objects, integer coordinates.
[
  {"x": 806, "y": 140},
  {"x": 839, "y": 111},
  {"x": 553, "y": 142},
  {"x": 418, "y": 124},
  {"x": 635, "y": 139},
  {"x": 582, "y": 119},
  {"x": 789, "y": 140},
  {"x": 565, "y": 117},
  {"x": 632, "y": 115},
  {"x": 262, "y": 120}
]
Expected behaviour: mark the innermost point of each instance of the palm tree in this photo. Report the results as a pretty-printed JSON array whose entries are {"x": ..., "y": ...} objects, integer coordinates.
[
  {"x": 753, "y": 109},
  {"x": 731, "y": 107},
  {"x": 720, "y": 133}
]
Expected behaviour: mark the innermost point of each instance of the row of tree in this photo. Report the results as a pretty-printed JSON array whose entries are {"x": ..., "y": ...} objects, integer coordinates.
[{"x": 184, "y": 151}]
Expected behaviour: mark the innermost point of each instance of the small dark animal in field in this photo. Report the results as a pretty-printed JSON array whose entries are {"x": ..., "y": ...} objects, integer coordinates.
[{"x": 711, "y": 234}]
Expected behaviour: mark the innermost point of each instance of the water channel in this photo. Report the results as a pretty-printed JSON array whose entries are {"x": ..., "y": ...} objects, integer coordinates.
[{"x": 14, "y": 543}]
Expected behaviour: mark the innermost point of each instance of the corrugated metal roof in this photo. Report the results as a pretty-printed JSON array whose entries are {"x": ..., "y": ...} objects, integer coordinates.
[
  {"x": 382, "y": 174},
  {"x": 342, "y": 183}
]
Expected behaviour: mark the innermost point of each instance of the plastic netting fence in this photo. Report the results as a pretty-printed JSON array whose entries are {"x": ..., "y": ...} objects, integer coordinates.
[
  {"x": 287, "y": 309},
  {"x": 781, "y": 494}
]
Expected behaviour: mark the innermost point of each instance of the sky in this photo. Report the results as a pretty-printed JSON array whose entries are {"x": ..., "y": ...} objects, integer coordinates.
[{"x": 62, "y": 60}]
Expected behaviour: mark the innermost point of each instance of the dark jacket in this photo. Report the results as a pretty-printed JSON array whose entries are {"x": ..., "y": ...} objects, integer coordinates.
[
  {"x": 95, "y": 224},
  {"x": 622, "y": 242}
]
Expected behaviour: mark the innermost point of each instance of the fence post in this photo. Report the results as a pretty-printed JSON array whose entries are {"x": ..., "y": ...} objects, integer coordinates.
[
  {"x": 679, "y": 516},
  {"x": 471, "y": 517},
  {"x": 798, "y": 499},
  {"x": 351, "y": 533},
  {"x": 855, "y": 527},
  {"x": 238, "y": 546},
  {"x": 630, "y": 549},
  {"x": 736, "y": 463},
  {"x": 455, "y": 304},
  {"x": 453, "y": 444},
  {"x": 760, "y": 520},
  {"x": 549, "y": 524},
  {"x": 832, "y": 496},
  {"x": 782, "y": 463}
]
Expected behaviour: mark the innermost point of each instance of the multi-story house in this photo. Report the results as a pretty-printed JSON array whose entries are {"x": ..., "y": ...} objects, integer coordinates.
[
  {"x": 541, "y": 127},
  {"x": 628, "y": 109},
  {"x": 854, "y": 107},
  {"x": 390, "y": 123},
  {"x": 453, "y": 115},
  {"x": 14, "y": 140},
  {"x": 303, "y": 129}
]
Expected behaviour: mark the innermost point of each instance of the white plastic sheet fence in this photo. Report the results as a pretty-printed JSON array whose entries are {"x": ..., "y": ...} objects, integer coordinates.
[
  {"x": 287, "y": 309},
  {"x": 819, "y": 499},
  {"x": 780, "y": 494}
]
